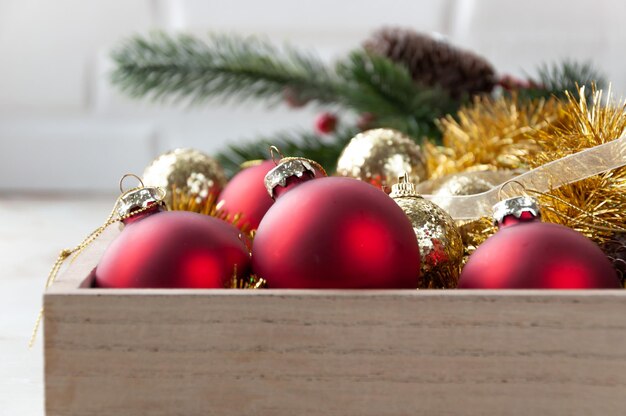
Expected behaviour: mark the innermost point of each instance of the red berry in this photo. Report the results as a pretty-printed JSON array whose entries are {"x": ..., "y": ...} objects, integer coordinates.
[{"x": 326, "y": 123}]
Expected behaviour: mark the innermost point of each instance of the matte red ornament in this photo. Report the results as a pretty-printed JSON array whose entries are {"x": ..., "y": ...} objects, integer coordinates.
[
  {"x": 336, "y": 233},
  {"x": 526, "y": 253},
  {"x": 245, "y": 195},
  {"x": 173, "y": 249}
]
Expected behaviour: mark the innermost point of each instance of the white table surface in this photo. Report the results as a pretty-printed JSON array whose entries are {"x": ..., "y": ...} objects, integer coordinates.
[{"x": 33, "y": 229}]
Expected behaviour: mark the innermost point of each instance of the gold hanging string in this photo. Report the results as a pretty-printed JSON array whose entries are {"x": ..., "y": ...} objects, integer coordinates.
[{"x": 64, "y": 254}]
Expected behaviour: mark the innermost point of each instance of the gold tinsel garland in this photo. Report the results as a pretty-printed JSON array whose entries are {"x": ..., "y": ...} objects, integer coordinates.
[
  {"x": 206, "y": 205},
  {"x": 491, "y": 134}
]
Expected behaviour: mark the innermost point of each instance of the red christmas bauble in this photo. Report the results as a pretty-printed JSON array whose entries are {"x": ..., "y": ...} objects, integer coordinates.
[
  {"x": 336, "y": 233},
  {"x": 526, "y": 253},
  {"x": 245, "y": 194},
  {"x": 173, "y": 249}
]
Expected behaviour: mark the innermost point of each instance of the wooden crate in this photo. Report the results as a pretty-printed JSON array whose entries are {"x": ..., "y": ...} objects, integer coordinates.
[{"x": 300, "y": 352}]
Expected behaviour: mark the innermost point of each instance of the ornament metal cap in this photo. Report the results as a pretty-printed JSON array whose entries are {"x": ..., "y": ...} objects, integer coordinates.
[
  {"x": 515, "y": 206},
  {"x": 137, "y": 198},
  {"x": 288, "y": 167},
  {"x": 404, "y": 188}
]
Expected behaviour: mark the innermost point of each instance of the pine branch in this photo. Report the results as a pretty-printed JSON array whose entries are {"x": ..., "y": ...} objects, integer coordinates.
[
  {"x": 174, "y": 67},
  {"x": 163, "y": 66},
  {"x": 569, "y": 76},
  {"x": 375, "y": 84},
  {"x": 557, "y": 78},
  {"x": 324, "y": 150}
]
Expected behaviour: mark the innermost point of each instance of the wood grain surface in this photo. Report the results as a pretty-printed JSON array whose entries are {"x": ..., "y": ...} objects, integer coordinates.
[{"x": 284, "y": 352}]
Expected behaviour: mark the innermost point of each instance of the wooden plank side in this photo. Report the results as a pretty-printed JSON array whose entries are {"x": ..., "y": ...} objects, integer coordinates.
[{"x": 335, "y": 353}]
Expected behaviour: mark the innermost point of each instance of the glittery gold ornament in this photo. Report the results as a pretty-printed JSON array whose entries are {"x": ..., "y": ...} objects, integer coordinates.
[
  {"x": 185, "y": 171},
  {"x": 441, "y": 248},
  {"x": 469, "y": 183},
  {"x": 380, "y": 156}
]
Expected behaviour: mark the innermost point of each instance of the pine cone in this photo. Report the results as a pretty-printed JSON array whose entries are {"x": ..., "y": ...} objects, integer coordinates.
[{"x": 432, "y": 62}]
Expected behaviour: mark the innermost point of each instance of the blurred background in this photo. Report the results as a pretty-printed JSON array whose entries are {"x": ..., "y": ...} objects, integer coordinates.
[
  {"x": 66, "y": 135},
  {"x": 64, "y": 127}
]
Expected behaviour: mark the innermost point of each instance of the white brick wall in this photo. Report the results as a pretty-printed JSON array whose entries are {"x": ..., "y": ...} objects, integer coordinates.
[{"x": 63, "y": 127}]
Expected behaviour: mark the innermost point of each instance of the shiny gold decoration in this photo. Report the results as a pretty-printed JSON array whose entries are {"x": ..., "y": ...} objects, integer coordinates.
[
  {"x": 187, "y": 171},
  {"x": 380, "y": 156},
  {"x": 441, "y": 248},
  {"x": 250, "y": 282},
  {"x": 474, "y": 233},
  {"x": 490, "y": 134},
  {"x": 247, "y": 282}
]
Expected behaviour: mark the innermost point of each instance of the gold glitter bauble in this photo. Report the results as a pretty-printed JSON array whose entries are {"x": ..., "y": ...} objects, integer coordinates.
[
  {"x": 380, "y": 156},
  {"x": 473, "y": 233},
  {"x": 441, "y": 248},
  {"x": 185, "y": 171}
]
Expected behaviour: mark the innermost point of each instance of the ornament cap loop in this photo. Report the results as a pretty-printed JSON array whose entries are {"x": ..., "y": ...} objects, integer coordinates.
[
  {"x": 515, "y": 206},
  {"x": 130, "y": 175},
  {"x": 404, "y": 188},
  {"x": 277, "y": 150}
]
